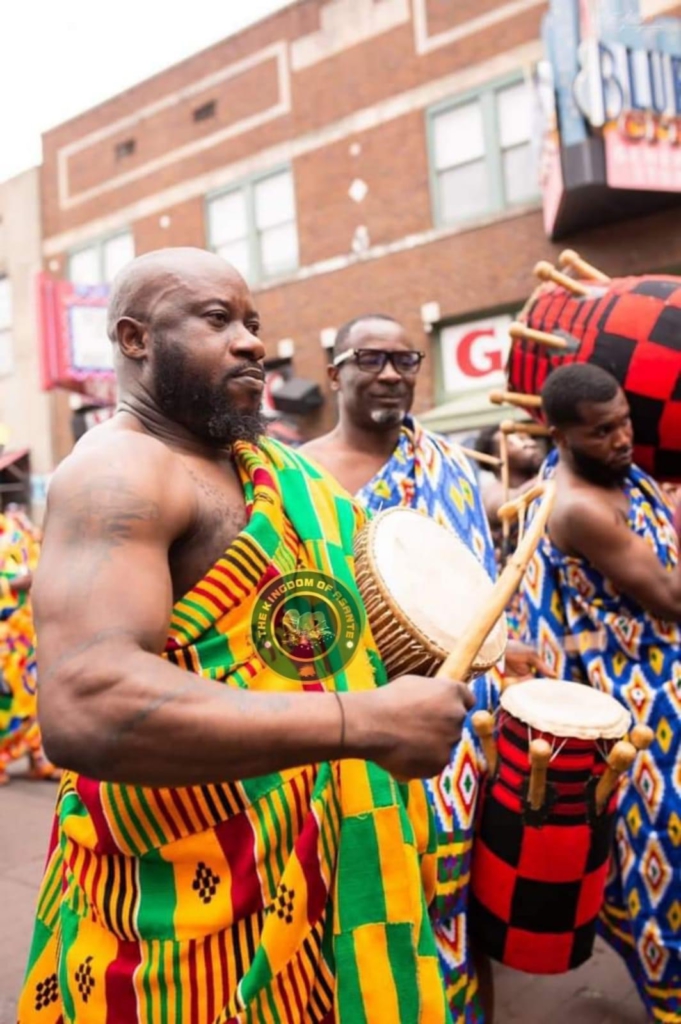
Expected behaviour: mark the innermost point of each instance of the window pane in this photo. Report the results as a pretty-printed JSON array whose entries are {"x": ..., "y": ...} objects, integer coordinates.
[
  {"x": 6, "y": 362},
  {"x": 274, "y": 201},
  {"x": 464, "y": 192},
  {"x": 514, "y": 110},
  {"x": 459, "y": 136},
  {"x": 84, "y": 266},
  {"x": 520, "y": 174},
  {"x": 5, "y": 303},
  {"x": 227, "y": 220},
  {"x": 279, "y": 250},
  {"x": 238, "y": 254},
  {"x": 117, "y": 252}
]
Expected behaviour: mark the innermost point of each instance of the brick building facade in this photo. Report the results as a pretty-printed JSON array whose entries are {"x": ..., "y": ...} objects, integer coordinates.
[{"x": 350, "y": 156}]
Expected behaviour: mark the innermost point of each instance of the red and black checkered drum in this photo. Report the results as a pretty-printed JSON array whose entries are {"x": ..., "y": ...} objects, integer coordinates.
[
  {"x": 629, "y": 326},
  {"x": 538, "y": 875}
]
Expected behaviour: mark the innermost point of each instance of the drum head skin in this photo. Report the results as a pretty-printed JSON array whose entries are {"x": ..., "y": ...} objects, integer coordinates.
[
  {"x": 566, "y": 709},
  {"x": 435, "y": 581}
]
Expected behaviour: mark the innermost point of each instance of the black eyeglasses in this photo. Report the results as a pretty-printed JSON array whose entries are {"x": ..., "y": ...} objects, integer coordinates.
[{"x": 375, "y": 360}]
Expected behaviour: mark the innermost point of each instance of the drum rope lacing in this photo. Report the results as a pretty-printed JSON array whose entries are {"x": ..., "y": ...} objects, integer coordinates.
[{"x": 502, "y": 715}]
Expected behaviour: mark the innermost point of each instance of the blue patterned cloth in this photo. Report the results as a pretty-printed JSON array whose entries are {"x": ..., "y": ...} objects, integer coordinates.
[
  {"x": 427, "y": 473},
  {"x": 590, "y": 632}
]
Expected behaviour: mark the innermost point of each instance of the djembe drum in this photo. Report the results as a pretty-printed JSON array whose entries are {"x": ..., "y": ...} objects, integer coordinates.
[
  {"x": 421, "y": 587},
  {"x": 431, "y": 606},
  {"x": 546, "y": 822}
]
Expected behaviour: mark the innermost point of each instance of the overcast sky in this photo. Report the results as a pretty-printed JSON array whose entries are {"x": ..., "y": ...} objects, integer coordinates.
[{"x": 59, "y": 58}]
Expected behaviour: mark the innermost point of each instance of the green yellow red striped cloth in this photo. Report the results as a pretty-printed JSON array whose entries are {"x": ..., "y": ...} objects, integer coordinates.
[{"x": 300, "y": 896}]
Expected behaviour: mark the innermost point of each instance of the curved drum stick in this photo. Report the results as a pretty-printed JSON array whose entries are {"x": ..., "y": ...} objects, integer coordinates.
[{"x": 458, "y": 664}]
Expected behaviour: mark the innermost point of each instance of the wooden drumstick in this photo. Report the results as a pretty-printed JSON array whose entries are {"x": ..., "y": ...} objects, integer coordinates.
[
  {"x": 540, "y": 755},
  {"x": 515, "y": 509},
  {"x": 642, "y": 737},
  {"x": 525, "y": 333},
  {"x": 545, "y": 271},
  {"x": 483, "y": 725},
  {"x": 621, "y": 758},
  {"x": 516, "y": 398},
  {"x": 570, "y": 258}
]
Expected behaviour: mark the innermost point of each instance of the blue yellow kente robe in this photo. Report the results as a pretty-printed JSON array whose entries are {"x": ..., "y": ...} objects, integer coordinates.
[{"x": 590, "y": 632}]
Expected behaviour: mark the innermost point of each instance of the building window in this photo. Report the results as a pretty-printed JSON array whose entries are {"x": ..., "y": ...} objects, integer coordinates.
[
  {"x": 482, "y": 155},
  {"x": 205, "y": 111},
  {"x": 100, "y": 262},
  {"x": 254, "y": 226},
  {"x": 6, "y": 361}
]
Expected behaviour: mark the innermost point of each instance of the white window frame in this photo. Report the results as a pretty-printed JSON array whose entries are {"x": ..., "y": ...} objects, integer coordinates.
[
  {"x": 99, "y": 245},
  {"x": 486, "y": 95},
  {"x": 247, "y": 187}
]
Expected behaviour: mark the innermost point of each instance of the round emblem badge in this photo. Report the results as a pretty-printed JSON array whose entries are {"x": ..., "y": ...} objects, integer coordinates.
[{"x": 306, "y": 625}]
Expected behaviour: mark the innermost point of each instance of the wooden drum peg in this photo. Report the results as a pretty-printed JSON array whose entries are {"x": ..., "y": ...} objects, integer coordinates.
[
  {"x": 483, "y": 725},
  {"x": 540, "y": 755},
  {"x": 621, "y": 758},
  {"x": 642, "y": 737},
  {"x": 546, "y": 338},
  {"x": 545, "y": 271},
  {"x": 518, "y": 399},
  {"x": 571, "y": 259}
]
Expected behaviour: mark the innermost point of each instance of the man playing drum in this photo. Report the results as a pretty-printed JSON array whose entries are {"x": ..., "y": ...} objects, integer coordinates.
[
  {"x": 603, "y": 598},
  {"x": 231, "y": 843},
  {"x": 380, "y": 453}
]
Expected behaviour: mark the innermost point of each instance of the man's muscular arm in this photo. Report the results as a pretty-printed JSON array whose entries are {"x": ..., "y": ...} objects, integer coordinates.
[
  {"x": 595, "y": 530},
  {"x": 111, "y": 708}
]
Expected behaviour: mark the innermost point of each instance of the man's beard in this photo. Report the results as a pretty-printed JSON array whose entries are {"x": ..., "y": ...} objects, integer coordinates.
[
  {"x": 387, "y": 417},
  {"x": 204, "y": 409},
  {"x": 597, "y": 472}
]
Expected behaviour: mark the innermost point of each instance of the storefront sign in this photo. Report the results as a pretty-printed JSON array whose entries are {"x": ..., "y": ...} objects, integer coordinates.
[
  {"x": 614, "y": 120},
  {"x": 474, "y": 354}
]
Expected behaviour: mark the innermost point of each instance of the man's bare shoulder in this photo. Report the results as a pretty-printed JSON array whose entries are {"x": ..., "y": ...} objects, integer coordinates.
[
  {"x": 582, "y": 509},
  {"x": 127, "y": 472}
]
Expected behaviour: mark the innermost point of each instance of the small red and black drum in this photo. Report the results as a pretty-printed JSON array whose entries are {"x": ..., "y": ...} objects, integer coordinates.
[
  {"x": 546, "y": 823},
  {"x": 629, "y": 326}
]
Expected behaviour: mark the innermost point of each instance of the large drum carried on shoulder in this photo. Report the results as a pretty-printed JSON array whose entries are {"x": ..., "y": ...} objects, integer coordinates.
[
  {"x": 422, "y": 588},
  {"x": 546, "y": 823},
  {"x": 629, "y": 326}
]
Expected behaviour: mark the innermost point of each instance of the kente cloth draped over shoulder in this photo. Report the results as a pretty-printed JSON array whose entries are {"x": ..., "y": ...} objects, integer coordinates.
[
  {"x": 590, "y": 632},
  {"x": 19, "y": 549},
  {"x": 294, "y": 897},
  {"x": 427, "y": 473}
]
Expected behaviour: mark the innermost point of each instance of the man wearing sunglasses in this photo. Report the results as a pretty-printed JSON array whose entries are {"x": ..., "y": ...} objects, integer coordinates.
[{"x": 383, "y": 456}]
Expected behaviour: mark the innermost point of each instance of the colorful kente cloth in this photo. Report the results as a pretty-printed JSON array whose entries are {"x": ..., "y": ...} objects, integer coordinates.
[
  {"x": 589, "y": 631},
  {"x": 299, "y": 896},
  {"x": 425, "y": 472},
  {"x": 19, "y": 550}
]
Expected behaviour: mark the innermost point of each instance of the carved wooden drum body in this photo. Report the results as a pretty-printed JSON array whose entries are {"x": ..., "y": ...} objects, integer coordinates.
[{"x": 539, "y": 873}]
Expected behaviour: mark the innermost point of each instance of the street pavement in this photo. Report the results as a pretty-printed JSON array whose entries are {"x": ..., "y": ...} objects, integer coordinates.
[{"x": 600, "y": 992}]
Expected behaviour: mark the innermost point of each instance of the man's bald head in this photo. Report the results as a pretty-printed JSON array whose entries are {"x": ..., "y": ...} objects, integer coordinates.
[
  {"x": 141, "y": 282},
  {"x": 186, "y": 345}
]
